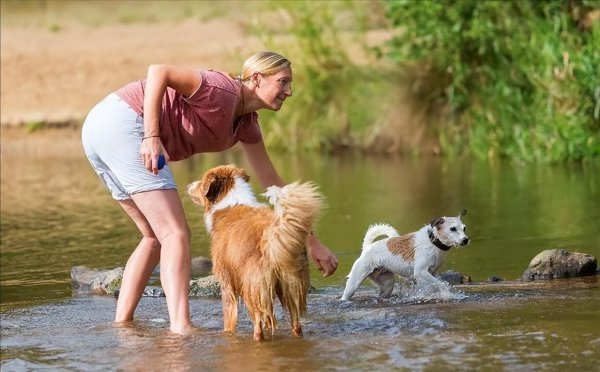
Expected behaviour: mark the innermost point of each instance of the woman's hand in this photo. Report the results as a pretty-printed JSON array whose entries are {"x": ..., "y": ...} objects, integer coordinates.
[
  {"x": 185, "y": 81},
  {"x": 261, "y": 163},
  {"x": 324, "y": 259},
  {"x": 150, "y": 149}
]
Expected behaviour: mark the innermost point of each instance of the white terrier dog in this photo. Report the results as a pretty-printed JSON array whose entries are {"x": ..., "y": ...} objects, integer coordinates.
[{"x": 415, "y": 255}]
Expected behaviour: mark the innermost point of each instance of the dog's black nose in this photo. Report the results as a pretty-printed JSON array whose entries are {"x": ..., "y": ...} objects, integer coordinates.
[{"x": 465, "y": 241}]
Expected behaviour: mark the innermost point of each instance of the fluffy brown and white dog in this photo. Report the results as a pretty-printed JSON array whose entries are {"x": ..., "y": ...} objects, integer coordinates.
[
  {"x": 258, "y": 253},
  {"x": 415, "y": 255}
]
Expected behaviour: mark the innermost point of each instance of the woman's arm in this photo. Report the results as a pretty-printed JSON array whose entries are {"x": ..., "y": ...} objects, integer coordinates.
[
  {"x": 259, "y": 160},
  {"x": 185, "y": 81},
  {"x": 267, "y": 175}
]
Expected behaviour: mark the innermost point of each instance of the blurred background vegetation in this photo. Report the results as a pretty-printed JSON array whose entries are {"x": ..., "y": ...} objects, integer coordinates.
[{"x": 512, "y": 79}]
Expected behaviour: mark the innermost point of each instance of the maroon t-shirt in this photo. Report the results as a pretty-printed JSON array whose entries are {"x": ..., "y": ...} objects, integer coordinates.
[{"x": 203, "y": 122}]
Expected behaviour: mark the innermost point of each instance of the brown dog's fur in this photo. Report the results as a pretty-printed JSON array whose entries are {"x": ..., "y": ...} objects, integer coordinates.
[{"x": 258, "y": 252}]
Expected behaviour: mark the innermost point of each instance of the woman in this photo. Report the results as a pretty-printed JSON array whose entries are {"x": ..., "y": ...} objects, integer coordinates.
[{"x": 179, "y": 112}]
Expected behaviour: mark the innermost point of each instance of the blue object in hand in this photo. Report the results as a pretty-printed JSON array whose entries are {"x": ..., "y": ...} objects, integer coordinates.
[{"x": 161, "y": 161}]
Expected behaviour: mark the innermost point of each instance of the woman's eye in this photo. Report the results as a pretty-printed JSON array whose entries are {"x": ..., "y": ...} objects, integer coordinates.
[{"x": 453, "y": 229}]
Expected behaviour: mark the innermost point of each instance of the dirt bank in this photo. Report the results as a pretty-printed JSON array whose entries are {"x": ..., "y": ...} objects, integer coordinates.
[
  {"x": 56, "y": 66},
  {"x": 57, "y": 76}
]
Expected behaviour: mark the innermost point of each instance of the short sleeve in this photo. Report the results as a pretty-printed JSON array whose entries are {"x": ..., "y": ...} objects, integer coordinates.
[
  {"x": 196, "y": 98},
  {"x": 250, "y": 132}
]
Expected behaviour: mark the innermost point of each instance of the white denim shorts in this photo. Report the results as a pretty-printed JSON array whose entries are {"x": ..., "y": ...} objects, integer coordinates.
[{"x": 112, "y": 135}]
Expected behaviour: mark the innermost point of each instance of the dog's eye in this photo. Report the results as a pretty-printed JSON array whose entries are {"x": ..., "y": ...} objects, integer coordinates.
[{"x": 453, "y": 229}]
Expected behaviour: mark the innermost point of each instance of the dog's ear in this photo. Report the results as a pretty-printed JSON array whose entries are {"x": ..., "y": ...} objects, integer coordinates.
[
  {"x": 240, "y": 172},
  {"x": 212, "y": 188},
  {"x": 437, "y": 222}
]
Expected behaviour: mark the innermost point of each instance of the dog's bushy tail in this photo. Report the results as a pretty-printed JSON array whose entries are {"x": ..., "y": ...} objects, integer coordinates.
[
  {"x": 297, "y": 206},
  {"x": 379, "y": 229}
]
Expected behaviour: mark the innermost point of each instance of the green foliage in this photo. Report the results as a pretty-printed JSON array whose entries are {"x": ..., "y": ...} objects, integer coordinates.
[
  {"x": 522, "y": 78},
  {"x": 329, "y": 108},
  {"x": 34, "y": 126}
]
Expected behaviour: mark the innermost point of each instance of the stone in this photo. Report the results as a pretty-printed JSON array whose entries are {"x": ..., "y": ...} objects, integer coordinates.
[
  {"x": 454, "y": 277},
  {"x": 201, "y": 266},
  {"x": 205, "y": 287},
  {"x": 96, "y": 281},
  {"x": 559, "y": 263},
  {"x": 153, "y": 291}
]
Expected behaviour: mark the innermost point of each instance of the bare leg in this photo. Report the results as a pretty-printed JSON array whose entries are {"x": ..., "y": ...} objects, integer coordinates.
[
  {"x": 139, "y": 266},
  {"x": 164, "y": 212}
]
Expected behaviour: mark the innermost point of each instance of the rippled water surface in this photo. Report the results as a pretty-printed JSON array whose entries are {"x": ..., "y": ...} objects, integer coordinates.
[{"x": 55, "y": 215}]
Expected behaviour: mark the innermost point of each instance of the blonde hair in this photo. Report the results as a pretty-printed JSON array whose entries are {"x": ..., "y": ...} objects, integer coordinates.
[{"x": 266, "y": 63}]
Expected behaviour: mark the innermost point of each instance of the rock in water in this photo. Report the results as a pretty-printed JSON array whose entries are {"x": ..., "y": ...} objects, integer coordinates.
[
  {"x": 560, "y": 263},
  {"x": 454, "y": 277},
  {"x": 97, "y": 281},
  {"x": 205, "y": 287},
  {"x": 201, "y": 266}
]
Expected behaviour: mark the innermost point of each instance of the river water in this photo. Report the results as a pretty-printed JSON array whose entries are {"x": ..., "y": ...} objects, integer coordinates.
[{"x": 55, "y": 215}]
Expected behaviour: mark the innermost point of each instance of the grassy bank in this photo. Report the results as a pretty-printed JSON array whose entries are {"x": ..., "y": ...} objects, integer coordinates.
[{"x": 510, "y": 79}]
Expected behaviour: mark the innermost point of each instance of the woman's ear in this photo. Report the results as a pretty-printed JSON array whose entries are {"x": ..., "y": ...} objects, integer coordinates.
[{"x": 256, "y": 79}]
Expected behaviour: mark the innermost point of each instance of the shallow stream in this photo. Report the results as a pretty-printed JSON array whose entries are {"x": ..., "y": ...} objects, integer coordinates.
[{"x": 55, "y": 215}]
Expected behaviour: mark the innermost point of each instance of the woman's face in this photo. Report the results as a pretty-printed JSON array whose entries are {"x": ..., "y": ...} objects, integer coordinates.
[{"x": 274, "y": 89}]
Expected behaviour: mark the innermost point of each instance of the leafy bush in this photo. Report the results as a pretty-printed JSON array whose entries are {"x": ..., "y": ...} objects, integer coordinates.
[
  {"x": 332, "y": 96},
  {"x": 521, "y": 78}
]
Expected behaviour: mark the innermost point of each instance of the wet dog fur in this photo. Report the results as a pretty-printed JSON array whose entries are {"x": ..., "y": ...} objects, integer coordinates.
[
  {"x": 258, "y": 253},
  {"x": 415, "y": 255}
]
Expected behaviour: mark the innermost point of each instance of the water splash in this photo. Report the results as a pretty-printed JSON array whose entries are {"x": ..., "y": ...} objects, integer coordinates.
[{"x": 412, "y": 292}]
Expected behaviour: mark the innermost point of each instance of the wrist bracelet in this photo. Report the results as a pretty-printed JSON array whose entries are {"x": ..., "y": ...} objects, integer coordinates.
[{"x": 143, "y": 138}]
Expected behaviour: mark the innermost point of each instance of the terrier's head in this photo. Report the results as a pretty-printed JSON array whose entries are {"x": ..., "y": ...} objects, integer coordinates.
[{"x": 450, "y": 231}]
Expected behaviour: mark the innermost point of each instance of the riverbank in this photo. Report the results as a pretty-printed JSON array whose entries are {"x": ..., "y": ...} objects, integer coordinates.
[
  {"x": 55, "y": 77},
  {"x": 59, "y": 59}
]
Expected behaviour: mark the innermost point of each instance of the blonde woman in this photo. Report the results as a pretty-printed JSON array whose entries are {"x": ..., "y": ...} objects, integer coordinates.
[{"x": 179, "y": 112}]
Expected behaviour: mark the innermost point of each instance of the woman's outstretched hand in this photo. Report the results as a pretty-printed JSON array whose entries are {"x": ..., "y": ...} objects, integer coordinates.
[{"x": 325, "y": 260}]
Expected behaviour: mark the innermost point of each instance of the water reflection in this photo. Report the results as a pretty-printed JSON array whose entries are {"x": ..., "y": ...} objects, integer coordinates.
[{"x": 55, "y": 214}]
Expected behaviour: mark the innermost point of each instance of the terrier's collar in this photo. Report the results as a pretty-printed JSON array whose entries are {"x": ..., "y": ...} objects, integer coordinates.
[{"x": 435, "y": 241}]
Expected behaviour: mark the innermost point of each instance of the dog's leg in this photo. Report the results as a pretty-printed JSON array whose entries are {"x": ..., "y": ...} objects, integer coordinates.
[
  {"x": 258, "y": 333},
  {"x": 423, "y": 276},
  {"x": 230, "y": 309},
  {"x": 296, "y": 327},
  {"x": 290, "y": 304},
  {"x": 384, "y": 280},
  {"x": 360, "y": 271}
]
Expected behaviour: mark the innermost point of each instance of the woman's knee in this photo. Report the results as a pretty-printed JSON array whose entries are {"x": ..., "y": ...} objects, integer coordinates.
[
  {"x": 151, "y": 241},
  {"x": 179, "y": 233}
]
